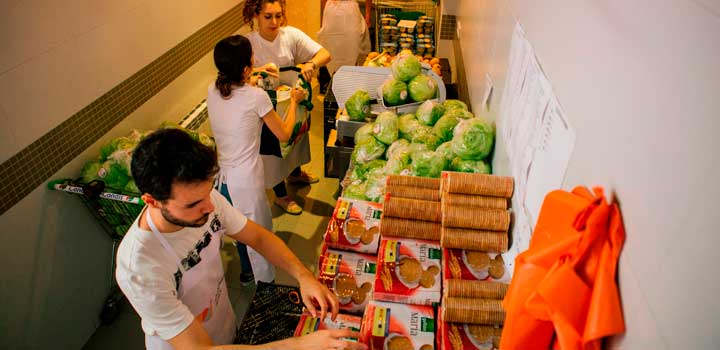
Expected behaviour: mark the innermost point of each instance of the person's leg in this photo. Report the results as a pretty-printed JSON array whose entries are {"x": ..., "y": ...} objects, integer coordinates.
[
  {"x": 246, "y": 272},
  {"x": 299, "y": 176},
  {"x": 284, "y": 201}
]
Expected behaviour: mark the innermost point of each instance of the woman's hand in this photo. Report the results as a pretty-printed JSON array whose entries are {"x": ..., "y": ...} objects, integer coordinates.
[
  {"x": 315, "y": 294},
  {"x": 327, "y": 340},
  {"x": 297, "y": 95},
  {"x": 270, "y": 68},
  {"x": 308, "y": 70}
]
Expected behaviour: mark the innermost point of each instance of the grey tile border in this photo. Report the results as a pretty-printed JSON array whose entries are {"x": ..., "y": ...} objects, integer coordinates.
[{"x": 33, "y": 165}]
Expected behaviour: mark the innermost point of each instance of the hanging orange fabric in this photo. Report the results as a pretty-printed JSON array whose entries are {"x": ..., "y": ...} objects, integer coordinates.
[{"x": 563, "y": 294}]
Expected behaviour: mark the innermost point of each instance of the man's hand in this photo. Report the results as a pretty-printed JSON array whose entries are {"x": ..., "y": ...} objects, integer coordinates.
[
  {"x": 315, "y": 294},
  {"x": 270, "y": 68},
  {"x": 327, "y": 340}
]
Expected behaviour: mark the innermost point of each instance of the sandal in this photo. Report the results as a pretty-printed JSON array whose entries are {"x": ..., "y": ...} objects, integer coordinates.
[
  {"x": 303, "y": 178},
  {"x": 289, "y": 205}
]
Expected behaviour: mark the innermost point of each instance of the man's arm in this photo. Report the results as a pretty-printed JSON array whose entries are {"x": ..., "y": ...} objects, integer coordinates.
[
  {"x": 274, "y": 249},
  {"x": 194, "y": 337}
]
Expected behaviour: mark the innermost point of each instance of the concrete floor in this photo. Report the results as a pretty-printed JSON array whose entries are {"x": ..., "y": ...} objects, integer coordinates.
[{"x": 302, "y": 233}]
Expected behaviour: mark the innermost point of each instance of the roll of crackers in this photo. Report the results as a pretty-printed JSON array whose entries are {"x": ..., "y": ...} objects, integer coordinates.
[
  {"x": 487, "y": 241},
  {"x": 469, "y": 200},
  {"x": 413, "y": 192},
  {"x": 475, "y": 289},
  {"x": 413, "y": 181},
  {"x": 478, "y": 184},
  {"x": 475, "y": 311},
  {"x": 408, "y": 228},
  {"x": 411, "y": 209},
  {"x": 476, "y": 218}
]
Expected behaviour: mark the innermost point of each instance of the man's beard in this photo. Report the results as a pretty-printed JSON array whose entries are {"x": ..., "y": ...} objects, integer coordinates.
[{"x": 175, "y": 221}]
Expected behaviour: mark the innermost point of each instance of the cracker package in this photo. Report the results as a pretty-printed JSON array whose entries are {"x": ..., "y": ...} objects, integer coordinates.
[
  {"x": 408, "y": 272},
  {"x": 390, "y": 326},
  {"x": 462, "y": 336},
  {"x": 309, "y": 324},
  {"x": 354, "y": 226},
  {"x": 350, "y": 276},
  {"x": 474, "y": 265}
]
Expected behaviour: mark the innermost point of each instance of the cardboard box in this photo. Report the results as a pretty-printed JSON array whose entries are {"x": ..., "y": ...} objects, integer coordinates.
[
  {"x": 408, "y": 272},
  {"x": 474, "y": 266},
  {"x": 354, "y": 226},
  {"x": 390, "y": 326},
  {"x": 350, "y": 276},
  {"x": 309, "y": 324}
]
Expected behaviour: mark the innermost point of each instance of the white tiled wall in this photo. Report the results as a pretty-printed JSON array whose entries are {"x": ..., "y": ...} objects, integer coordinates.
[{"x": 639, "y": 83}]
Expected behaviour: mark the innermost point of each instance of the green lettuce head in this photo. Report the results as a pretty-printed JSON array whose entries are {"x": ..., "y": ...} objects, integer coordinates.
[
  {"x": 445, "y": 126},
  {"x": 428, "y": 164},
  {"x": 429, "y": 112},
  {"x": 407, "y": 123},
  {"x": 422, "y": 88},
  {"x": 473, "y": 139},
  {"x": 399, "y": 149},
  {"x": 470, "y": 166},
  {"x": 364, "y": 132},
  {"x": 116, "y": 176},
  {"x": 367, "y": 150},
  {"x": 459, "y": 113},
  {"x": 115, "y": 144},
  {"x": 454, "y": 104},
  {"x": 376, "y": 181},
  {"x": 386, "y": 127},
  {"x": 394, "y": 92},
  {"x": 93, "y": 170},
  {"x": 405, "y": 67},
  {"x": 355, "y": 190},
  {"x": 358, "y": 105},
  {"x": 446, "y": 151}
]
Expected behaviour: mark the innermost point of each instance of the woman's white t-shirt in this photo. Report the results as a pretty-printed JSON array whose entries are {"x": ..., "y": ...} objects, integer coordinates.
[
  {"x": 236, "y": 124},
  {"x": 289, "y": 48}
]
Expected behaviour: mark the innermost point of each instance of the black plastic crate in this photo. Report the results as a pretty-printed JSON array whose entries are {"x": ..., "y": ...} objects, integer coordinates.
[{"x": 272, "y": 315}]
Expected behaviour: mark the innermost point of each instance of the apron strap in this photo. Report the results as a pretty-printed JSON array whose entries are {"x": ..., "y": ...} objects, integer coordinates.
[{"x": 164, "y": 242}]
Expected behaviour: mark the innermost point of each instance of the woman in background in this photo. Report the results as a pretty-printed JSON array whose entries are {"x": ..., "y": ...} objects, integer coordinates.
[
  {"x": 238, "y": 111},
  {"x": 277, "y": 45}
]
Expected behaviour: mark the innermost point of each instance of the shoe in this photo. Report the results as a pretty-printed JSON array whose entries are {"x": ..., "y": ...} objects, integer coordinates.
[
  {"x": 303, "y": 178},
  {"x": 247, "y": 278},
  {"x": 289, "y": 205}
]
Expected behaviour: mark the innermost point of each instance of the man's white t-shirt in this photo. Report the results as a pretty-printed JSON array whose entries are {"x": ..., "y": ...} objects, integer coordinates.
[
  {"x": 289, "y": 48},
  {"x": 149, "y": 276},
  {"x": 236, "y": 124}
]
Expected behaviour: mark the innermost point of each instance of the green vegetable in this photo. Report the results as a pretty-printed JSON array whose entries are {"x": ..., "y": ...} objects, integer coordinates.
[
  {"x": 364, "y": 132},
  {"x": 419, "y": 133},
  {"x": 386, "y": 127},
  {"x": 429, "y": 139},
  {"x": 93, "y": 170},
  {"x": 355, "y": 190},
  {"x": 115, "y": 144},
  {"x": 396, "y": 166},
  {"x": 473, "y": 139},
  {"x": 459, "y": 113},
  {"x": 429, "y": 112},
  {"x": 446, "y": 151},
  {"x": 358, "y": 105},
  {"x": 445, "y": 126},
  {"x": 422, "y": 88},
  {"x": 116, "y": 176},
  {"x": 405, "y": 67},
  {"x": 131, "y": 188},
  {"x": 363, "y": 169},
  {"x": 394, "y": 92},
  {"x": 407, "y": 123},
  {"x": 367, "y": 150},
  {"x": 376, "y": 181},
  {"x": 399, "y": 149},
  {"x": 470, "y": 166},
  {"x": 454, "y": 104},
  {"x": 428, "y": 164},
  {"x": 123, "y": 158},
  {"x": 416, "y": 148}
]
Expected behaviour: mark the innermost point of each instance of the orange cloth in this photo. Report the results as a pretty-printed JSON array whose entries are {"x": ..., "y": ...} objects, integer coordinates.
[{"x": 563, "y": 294}]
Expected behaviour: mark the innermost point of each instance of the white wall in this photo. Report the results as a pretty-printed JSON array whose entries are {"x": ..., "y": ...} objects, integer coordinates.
[
  {"x": 639, "y": 82},
  {"x": 57, "y": 57}
]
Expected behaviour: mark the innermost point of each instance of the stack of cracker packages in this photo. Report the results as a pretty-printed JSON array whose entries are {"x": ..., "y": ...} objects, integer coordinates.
[{"x": 474, "y": 234}]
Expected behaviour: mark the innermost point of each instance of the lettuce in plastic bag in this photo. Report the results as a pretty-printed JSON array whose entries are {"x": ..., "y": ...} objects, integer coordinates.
[
  {"x": 394, "y": 92},
  {"x": 397, "y": 166},
  {"x": 405, "y": 67},
  {"x": 376, "y": 181},
  {"x": 430, "y": 139},
  {"x": 358, "y": 105},
  {"x": 446, "y": 151},
  {"x": 422, "y": 88},
  {"x": 399, "y": 149},
  {"x": 429, "y": 112},
  {"x": 116, "y": 176},
  {"x": 454, "y": 104},
  {"x": 364, "y": 132},
  {"x": 407, "y": 123},
  {"x": 386, "y": 127},
  {"x": 367, "y": 150},
  {"x": 361, "y": 170},
  {"x": 115, "y": 144},
  {"x": 131, "y": 187},
  {"x": 470, "y": 166},
  {"x": 428, "y": 164},
  {"x": 355, "y": 190},
  {"x": 460, "y": 113},
  {"x": 473, "y": 139},
  {"x": 445, "y": 126},
  {"x": 92, "y": 170}
]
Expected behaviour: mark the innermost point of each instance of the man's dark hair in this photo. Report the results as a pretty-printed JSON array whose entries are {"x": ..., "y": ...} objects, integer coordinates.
[{"x": 169, "y": 156}]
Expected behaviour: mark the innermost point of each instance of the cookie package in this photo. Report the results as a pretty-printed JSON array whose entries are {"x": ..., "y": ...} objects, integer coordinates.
[
  {"x": 390, "y": 326},
  {"x": 474, "y": 266},
  {"x": 408, "y": 272},
  {"x": 309, "y": 324},
  {"x": 461, "y": 336},
  {"x": 354, "y": 226},
  {"x": 350, "y": 276}
]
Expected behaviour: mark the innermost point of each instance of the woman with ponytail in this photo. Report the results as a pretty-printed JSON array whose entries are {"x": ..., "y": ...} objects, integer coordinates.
[
  {"x": 278, "y": 45},
  {"x": 238, "y": 110}
]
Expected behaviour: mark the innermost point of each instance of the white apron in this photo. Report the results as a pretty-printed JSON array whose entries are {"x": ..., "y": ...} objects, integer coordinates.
[
  {"x": 343, "y": 33},
  {"x": 203, "y": 291},
  {"x": 250, "y": 199}
]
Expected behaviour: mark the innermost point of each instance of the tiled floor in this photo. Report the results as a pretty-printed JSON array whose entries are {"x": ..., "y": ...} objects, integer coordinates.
[{"x": 302, "y": 233}]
